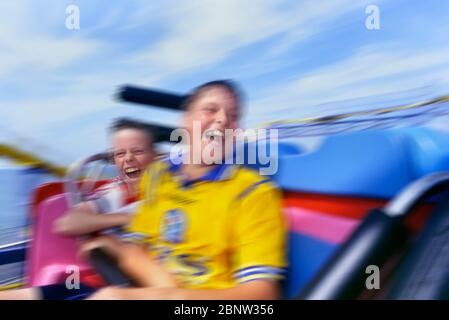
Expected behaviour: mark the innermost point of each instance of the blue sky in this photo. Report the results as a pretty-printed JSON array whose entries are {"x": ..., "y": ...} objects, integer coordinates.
[{"x": 293, "y": 58}]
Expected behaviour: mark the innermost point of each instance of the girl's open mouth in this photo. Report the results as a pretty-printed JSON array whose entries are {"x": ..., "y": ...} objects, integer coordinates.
[{"x": 133, "y": 172}]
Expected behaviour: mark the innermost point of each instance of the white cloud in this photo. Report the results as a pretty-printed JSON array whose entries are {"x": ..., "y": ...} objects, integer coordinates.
[
  {"x": 374, "y": 72},
  {"x": 201, "y": 33},
  {"x": 370, "y": 64},
  {"x": 25, "y": 48},
  {"x": 309, "y": 18}
]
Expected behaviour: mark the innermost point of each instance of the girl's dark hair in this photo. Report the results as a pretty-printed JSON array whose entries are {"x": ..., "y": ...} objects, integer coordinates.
[
  {"x": 229, "y": 85},
  {"x": 124, "y": 123}
]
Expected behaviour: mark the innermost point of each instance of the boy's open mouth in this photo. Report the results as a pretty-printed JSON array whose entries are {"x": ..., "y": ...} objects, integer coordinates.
[
  {"x": 213, "y": 135},
  {"x": 133, "y": 172}
]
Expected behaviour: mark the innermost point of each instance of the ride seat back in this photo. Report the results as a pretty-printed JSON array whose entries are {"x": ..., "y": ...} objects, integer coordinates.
[
  {"x": 317, "y": 226},
  {"x": 46, "y": 190},
  {"x": 50, "y": 255},
  {"x": 329, "y": 189}
]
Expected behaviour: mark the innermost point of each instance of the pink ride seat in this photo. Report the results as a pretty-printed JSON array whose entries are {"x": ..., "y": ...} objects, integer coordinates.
[
  {"x": 50, "y": 254},
  {"x": 319, "y": 225}
]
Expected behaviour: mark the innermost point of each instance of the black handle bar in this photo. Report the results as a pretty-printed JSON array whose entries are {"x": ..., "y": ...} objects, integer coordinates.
[
  {"x": 108, "y": 268},
  {"x": 150, "y": 97}
]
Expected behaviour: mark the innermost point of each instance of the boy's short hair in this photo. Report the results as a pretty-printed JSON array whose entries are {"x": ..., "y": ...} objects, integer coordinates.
[
  {"x": 229, "y": 85},
  {"x": 124, "y": 123}
]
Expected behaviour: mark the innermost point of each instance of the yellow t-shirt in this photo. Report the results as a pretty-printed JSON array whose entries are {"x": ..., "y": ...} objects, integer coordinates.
[{"x": 220, "y": 230}]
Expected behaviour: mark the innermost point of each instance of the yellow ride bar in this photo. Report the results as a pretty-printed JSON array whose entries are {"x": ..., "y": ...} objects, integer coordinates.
[
  {"x": 330, "y": 118},
  {"x": 12, "y": 286},
  {"x": 25, "y": 158}
]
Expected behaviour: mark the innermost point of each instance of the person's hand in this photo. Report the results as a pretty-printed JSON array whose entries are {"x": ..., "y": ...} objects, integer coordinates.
[
  {"x": 109, "y": 244},
  {"x": 75, "y": 223},
  {"x": 144, "y": 268},
  {"x": 114, "y": 293},
  {"x": 134, "y": 254}
]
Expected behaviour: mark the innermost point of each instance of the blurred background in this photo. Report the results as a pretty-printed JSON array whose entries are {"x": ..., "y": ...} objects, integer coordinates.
[{"x": 293, "y": 58}]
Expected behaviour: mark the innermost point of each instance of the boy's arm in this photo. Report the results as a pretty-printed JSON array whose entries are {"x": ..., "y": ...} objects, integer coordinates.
[
  {"x": 134, "y": 260},
  {"x": 158, "y": 283},
  {"x": 257, "y": 290},
  {"x": 137, "y": 263},
  {"x": 83, "y": 219}
]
